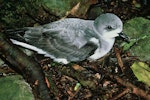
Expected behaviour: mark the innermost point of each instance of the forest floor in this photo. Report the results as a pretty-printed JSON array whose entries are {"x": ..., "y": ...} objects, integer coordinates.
[{"x": 108, "y": 78}]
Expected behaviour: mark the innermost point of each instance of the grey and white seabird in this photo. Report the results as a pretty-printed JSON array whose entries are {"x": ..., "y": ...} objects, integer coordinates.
[{"x": 73, "y": 39}]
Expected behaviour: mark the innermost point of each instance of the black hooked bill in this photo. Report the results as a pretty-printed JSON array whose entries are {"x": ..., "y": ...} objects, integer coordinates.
[{"x": 124, "y": 37}]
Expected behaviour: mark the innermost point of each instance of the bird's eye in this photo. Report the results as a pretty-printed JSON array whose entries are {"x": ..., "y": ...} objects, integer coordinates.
[{"x": 109, "y": 27}]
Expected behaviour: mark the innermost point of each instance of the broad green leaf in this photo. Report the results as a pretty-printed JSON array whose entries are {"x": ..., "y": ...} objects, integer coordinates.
[
  {"x": 138, "y": 29},
  {"x": 142, "y": 72}
]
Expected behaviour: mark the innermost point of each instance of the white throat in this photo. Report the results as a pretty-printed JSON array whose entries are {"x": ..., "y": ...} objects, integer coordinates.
[
  {"x": 106, "y": 42},
  {"x": 111, "y": 34},
  {"x": 105, "y": 46}
]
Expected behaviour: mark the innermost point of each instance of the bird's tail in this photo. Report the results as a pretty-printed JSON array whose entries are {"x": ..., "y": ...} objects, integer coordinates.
[{"x": 16, "y": 34}]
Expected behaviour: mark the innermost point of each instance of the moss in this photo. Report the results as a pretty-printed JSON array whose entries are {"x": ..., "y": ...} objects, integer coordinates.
[{"x": 15, "y": 88}]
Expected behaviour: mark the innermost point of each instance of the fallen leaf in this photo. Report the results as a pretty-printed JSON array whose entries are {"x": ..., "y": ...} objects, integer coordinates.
[
  {"x": 78, "y": 68},
  {"x": 142, "y": 72}
]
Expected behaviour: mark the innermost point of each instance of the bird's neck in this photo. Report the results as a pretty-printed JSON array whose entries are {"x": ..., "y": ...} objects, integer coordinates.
[{"x": 106, "y": 45}]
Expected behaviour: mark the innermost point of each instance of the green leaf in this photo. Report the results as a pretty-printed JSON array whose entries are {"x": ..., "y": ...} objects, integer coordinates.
[
  {"x": 138, "y": 29},
  {"x": 142, "y": 72},
  {"x": 127, "y": 46},
  {"x": 14, "y": 88}
]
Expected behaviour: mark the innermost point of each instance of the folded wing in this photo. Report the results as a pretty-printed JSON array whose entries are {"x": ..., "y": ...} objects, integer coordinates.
[{"x": 63, "y": 39}]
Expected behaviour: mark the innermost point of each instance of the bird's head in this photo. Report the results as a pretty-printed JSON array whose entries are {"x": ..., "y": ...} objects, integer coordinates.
[{"x": 109, "y": 26}]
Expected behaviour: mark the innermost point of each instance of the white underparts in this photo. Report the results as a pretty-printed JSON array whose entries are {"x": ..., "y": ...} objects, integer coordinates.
[
  {"x": 94, "y": 40},
  {"x": 102, "y": 49},
  {"x": 61, "y": 60},
  {"x": 39, "y": 51},
  {"x": 97, "y": 53}
]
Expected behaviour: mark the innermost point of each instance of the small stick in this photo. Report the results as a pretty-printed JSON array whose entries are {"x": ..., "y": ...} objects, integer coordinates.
[
  {"x": 135, "y": 90},
  {"x": 121, "y": 94},
  {"x": 120, "y": 62}
]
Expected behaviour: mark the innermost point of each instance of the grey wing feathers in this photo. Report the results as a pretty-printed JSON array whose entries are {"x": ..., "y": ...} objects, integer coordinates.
[{"x": 61, "y": 40}]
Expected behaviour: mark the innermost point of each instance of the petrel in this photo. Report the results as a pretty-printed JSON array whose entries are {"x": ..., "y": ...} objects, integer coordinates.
[{"x": 73, "y": 39}]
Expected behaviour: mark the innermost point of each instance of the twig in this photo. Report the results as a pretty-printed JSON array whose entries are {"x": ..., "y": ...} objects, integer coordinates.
[
  {"x": 134, "y": 89},
  {"x": 121, "y": 94},
  {"x": 84, "y": 76},
  {"x": 117, "y": 51}
]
